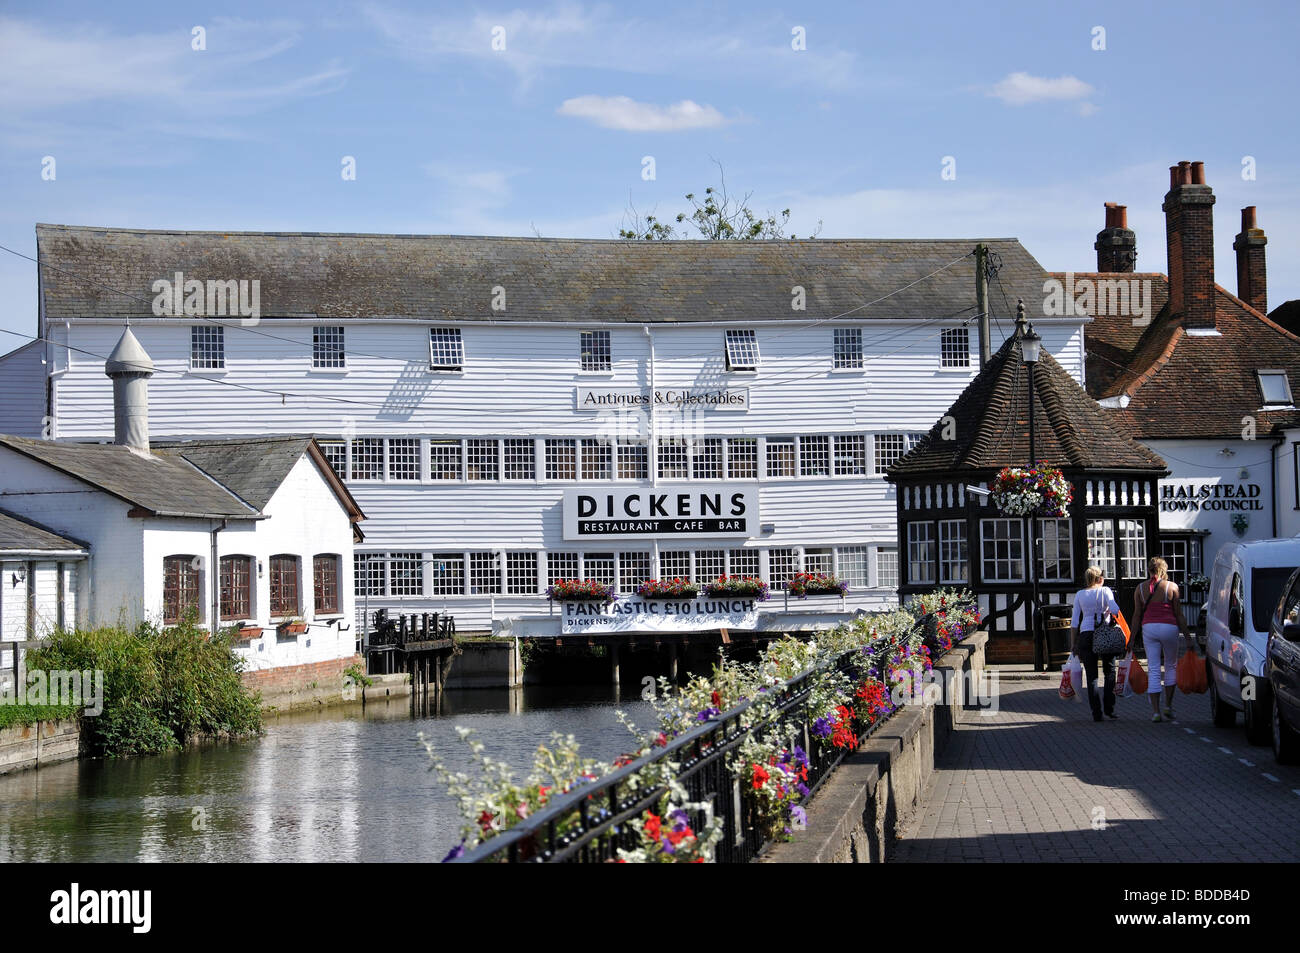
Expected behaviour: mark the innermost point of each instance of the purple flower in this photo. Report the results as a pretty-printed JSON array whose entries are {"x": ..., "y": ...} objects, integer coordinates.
[
  {"x": 457, "y": 851},
  {"x": 802, "y": 788},
  {"x": 800, "y": 757},
  {"x": 708, "y": 714},
  {"x": 822, "y": 727},
  {"x": 799, "y": 815}
]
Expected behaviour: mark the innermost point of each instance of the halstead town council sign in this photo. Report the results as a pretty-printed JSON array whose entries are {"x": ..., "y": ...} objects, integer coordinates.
[
  {"x": 678, "y": 398},
  {"x": 680, "y": 511}
]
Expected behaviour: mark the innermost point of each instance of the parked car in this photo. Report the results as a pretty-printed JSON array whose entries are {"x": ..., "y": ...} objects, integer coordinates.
[
  {"x": 1284, "y": 672},
  {"x": 1245, "y": 586}
]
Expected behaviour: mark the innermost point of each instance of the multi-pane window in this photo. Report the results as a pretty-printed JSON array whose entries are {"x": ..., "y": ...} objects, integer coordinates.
[
  {"x": 954, "y": 564},
  {"x": 595, "y": 351},
  {"x": 336, "y": 453},
  {"x": 1101, "y": 546},
  {"x": 954, "y": 347},
  {"x": 887, "y": 567},
  {"x": 920, "y": 553},
  {"x": 780, "y": 457},
  {"x": 1003, "y": 550},
  {"x": 710, "y": 564},
  {"x": 633, "y": 569},
  {"x": 1183, "y": 556},
  {"x": 851, "y": 455},
  {"x": 561, "y": 566},
  {"x": 446, "y": 350},
  {"x": 327, "y": 348},
  {"x": 1133, "y": 538},
  {"x": 814, "y": 456},
  {"x": 782, "y": 564},
  {"x": 675, "y": 564},
  {"x": 854, "y": 566},
  {"x": 521, "y": 458},
  {"x": 484, "y": 574},
  {"x": 599, "y": 567},
  {"x": 848, "y": 349},
  {"x": 597, "y": 460},
  {"x": 890, "y": 447},
  {"x": 404, "y": 459},
  {"x": 368, "y": 458},
  {"x": 742, "y": 458},
  {"x": 818, "y": 561},
  {"x": 368, "y": 573},
  {"x": 284, "y": 586},
  {"x": 521, "y": 574},
  {"x": 561, "y": 459},
  {"x": 481, "y": 460},
  {"x": 236, "y": 587},
  {"x": 181, "y": 589},
  {"x": 1056, "y": 562},
  {"x": 207, "y": 347},
  {"x": 325, "y": 584},
  {"x": 406, "y": 574},
  {"x": 446, "y": 574},
  {"x": 672, "y": 459},
  {"x": 444, "y": 459},
  {"x": 744, "y": 562},
  {"x": 633, "y": 461},
  {"x": 706, "y": 458},
  {"x": 742, "y": 350}
]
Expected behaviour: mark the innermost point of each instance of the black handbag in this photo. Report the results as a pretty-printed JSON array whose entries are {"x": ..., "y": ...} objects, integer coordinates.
[{"x": 1107, "y": 636}]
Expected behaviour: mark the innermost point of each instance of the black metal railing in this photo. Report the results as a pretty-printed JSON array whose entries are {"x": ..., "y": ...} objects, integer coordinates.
[
  {"x": 589, "y": 824},
  {"x": 402, "y": 630}
]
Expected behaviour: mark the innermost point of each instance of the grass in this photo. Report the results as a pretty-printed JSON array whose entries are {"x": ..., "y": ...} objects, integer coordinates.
[{"x": 11, "y": 715}]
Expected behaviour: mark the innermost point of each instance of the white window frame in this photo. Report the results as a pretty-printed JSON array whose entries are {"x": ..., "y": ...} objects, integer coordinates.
[
  {"x": 595, "y": 352},
  {"x": 446, "y": 349},
  {"x": 1067, "y": 558},
  {"x": 328, "y": 354},
  {"x": 853, "y": 565},
  {"x": 1108, "y": 564},
  {"x": 740, "y": 348},
  {"x": 916, "y": 556},
  {"x": 207, "y": 348},
  {"x": 954, "y": 349},
  {"x": 886, "y": 575},
  {"x": 846, "y": 350},
  {"x": 1132, "y": 535},
  {"x": 1276, "y": 374},
  {"x": 954, "y": 551},
  {"x": 1010, "y": 541}
]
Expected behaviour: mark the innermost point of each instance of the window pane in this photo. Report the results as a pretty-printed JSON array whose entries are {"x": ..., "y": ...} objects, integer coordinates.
[
  {"x": 561, "y": 459},
  {"x": 336, "y": 452},
  {"x": 446, "y": 351},
  {"x": 814, "y": 456},
  {"x": 706, "y": 458},
  {"x": 1003, "y": 550},
  {"x": 818, "y": 561},
  {"x": 1133, "y": 535},
  {"x": 180, "y": 587},
  {"x": 890, "y": 447},
  {"x": 1056, "y": 563},
  {"x": 368, "y": 572},
  {"x": 780, "y": 456},
  {"x": 782, "y": 564},
  {"x": 851, "y": 455},
  {"x": 672, "y": 459},
  {"x": 481, "y": 459},
  {"x": 484, "y": 574},
  {"x": 284, "y": 586},
  {"x": 521, "y": 574},
  {"x": 327, "y": 347},
  {"x": 920, "y": 553},
  {"x": 561, "y": 566},
  {"x": 207, "y": 347},
  {"x": 848, "y": 348},
  {"x": 742, "y": 350},
  {"x": 1101, "y": 546},
  {"x": 236, "y": 587},
  {"x": 887, "y": 567},
  {"x": 710, "y": 564},
  {"x": 406, "y": 574},
  {"x": 596, "y": 460},
  {"x": 325, "y": 583},
  {"x": 953, "y": 560},
  {"x": 742, "y": 458},
  {"x": 595, "y": 351},
  {"x": 744, "y": 562},
  {"x": 633, "y": 569},
  {"x": 521, "y": 459},
  {"x": 954, "y": 347},
  {"x": 599, "y": 567},
  {"x": 633, "y": 461},
  {"x": 1174, "y": 553},
  {"x": 675, "y": 564},
  {"x": 368, "y": 458},
  {"x": 853, "y": 566},
  {"x": 404, "y": 459},
  {"x": 446, "y": 574},
  {"x": 1274, "y": 387}
]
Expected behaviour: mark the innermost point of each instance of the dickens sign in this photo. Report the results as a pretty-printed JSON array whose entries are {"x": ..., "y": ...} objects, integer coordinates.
[
  {"x": 658, "y": 615},
  {"x": 681, "y": 512},
  {"x": 1182, "y": 497}
]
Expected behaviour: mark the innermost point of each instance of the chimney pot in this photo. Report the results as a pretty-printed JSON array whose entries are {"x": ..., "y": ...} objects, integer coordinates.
[
  {"x": 1173, "y": 177},
  {"x": 1252, "y": 276},
  {"x": 1116, "y": 246},
  {"x": 1198, "y": 173},
  {"x": 1184, "y": 173},
  {"x": 1248, "y": 218}
]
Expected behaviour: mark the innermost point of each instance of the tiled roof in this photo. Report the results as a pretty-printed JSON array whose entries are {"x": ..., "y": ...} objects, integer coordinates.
[
  {"x": 450, "y": 278},
  {"x": 991, "y": 425},
  {"x": 19, "y": 535},
  {"x": 1114, "y": 332},
  {"x": 1181, "y": 386}
]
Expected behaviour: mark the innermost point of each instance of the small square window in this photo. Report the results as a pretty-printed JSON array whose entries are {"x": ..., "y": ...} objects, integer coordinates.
[
  {"x": 848, "y": 349},
  {"x": 481, "y": 459},
  {"x": 1274, "y": 388},
  {"x": 521, "y": 458},
  {"x": 742, "y": 350},
  {"x": 633, "y": 461},
  {"x": 597, "y": 461},
  {"x": 368, "y": 458},
  {"x": 706, "y": 458},
  {"x": 446, "y": 350},
  {"x": 444, "y": 459},
  {"x": 327, "y": 348},
  {"x": 595, "y": 351},
  {"x": 742, "y": 458},
  {"x": 954, "y": 347},
  {"x": 207, "y": 347},
  {"x": 561, "y": 459},
  {"x": 780, "y": 457},
  {"x": 673, "y": 459},
  {"x": 404, "y": 458},
  {"x": 336, "y": 452}
]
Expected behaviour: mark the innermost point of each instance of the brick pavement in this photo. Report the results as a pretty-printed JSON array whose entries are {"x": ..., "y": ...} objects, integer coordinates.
[{"x": 1026, "y": 785}]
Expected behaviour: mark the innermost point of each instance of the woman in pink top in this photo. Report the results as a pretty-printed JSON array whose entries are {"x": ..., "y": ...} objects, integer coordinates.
[{"x": 1157, "y": 610}]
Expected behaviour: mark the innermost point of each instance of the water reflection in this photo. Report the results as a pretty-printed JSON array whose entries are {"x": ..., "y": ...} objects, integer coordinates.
[{"x": 332, "y": 786}]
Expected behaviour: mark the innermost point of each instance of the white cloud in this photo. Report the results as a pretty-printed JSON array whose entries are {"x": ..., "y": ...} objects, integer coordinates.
[
  {"x": 1019, "y": 89},
  {"x": 622, "y": 112}
]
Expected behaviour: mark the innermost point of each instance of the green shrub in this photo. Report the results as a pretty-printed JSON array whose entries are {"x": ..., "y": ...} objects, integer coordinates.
[
  {"x": 31, "y": 714},
  {"x": 162, "y": 687}
]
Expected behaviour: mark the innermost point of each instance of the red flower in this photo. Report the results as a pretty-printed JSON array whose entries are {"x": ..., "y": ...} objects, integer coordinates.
[
  {"x": 760, "y": 776},
  {"x": 717, "y": 700},
  {"x": 652, "y": 826}
]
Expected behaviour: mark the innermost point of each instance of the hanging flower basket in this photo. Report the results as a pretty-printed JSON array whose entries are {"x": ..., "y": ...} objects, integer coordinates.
[
  {"x": 580, "y": 590},
  {"x": 748, "y": 586},
  {"x": 805, "y": 584},
  {"x": 1040, "y": 490},
  {"x": 667, "y": 589}
]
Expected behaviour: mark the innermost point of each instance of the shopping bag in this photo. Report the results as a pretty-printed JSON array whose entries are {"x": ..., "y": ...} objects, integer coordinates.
[
  {"x": 1190, "y": 673},
  {"x": 1075, "y": 669},
  {"x": 1066, "y": 691},
  {"x": 1123, "y": 627},
  {"x": 1137, "y": 677},
  {"x": 1122, "y": 687}
]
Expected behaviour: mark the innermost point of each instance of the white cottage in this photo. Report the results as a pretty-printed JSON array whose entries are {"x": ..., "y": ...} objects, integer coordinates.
[{"x": 254, "y": 533}]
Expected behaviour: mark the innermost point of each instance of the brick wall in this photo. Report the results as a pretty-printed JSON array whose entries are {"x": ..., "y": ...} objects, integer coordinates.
[{"x": 315, "y": 684}]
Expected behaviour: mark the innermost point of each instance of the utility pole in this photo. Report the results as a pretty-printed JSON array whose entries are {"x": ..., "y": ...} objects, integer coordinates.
[{"x": 982, "y": 302}]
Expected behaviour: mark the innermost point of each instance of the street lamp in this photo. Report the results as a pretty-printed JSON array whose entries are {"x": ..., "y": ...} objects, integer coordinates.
[{"x": 1030, "y": 350}]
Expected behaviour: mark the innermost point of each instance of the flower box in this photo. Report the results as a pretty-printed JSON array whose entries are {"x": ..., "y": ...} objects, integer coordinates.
[
  {"x": 580, "y": 590},
  {"x": 1040, "y": 490},
  {"x": 667, "y": 589},
  {"x": 246, "y": 632},
  {"x": 293, "y": 627},
  {"x": 745, "y": 586},
  {"x": 806, "y": 584}
]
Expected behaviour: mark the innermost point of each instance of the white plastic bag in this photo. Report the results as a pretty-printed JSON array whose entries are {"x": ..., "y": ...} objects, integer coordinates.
[{"x": 1075, "y": 668}]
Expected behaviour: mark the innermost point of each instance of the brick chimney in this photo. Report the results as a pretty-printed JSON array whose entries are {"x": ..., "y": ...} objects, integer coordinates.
[
  {"x": 1116, "y": 244},
  {"x": 1189, "y": 233},
  {"x": 1252, "y": 283}
]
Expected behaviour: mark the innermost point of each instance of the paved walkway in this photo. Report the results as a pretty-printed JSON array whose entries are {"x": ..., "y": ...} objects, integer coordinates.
[{"x": 1041, "y": 781}]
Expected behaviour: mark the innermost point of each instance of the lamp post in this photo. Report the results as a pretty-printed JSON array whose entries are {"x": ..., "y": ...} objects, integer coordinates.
[{"x": 1030, "y": 350}]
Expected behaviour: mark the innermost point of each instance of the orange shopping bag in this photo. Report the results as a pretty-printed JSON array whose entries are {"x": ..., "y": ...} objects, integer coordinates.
[
  {"x": 1191, "y": 673},
  {"x": 1123, "y": 627},
  {"x": 1137, "y": 676}
]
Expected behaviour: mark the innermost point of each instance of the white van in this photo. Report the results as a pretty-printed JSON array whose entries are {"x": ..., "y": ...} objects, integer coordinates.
[{"x": 1245, "y": 587}]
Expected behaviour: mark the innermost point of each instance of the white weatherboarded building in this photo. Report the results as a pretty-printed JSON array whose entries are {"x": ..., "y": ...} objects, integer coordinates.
[{"x": 471, "y": 390}]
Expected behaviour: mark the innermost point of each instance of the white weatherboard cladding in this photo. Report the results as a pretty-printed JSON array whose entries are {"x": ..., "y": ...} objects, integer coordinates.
[
  {"x": 1288, "y": 495},
  {"x": 13, "y": 603}
]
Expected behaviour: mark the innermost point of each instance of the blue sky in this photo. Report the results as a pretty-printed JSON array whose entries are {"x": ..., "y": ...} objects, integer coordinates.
[{"x": 549, "y": 135}]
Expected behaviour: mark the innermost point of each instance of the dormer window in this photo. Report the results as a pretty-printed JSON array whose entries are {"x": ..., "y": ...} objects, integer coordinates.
[
  {"x": 1274, "y": 388},
  {"x": 446, "y": 351},
  {"x": 742, "y": 350}
]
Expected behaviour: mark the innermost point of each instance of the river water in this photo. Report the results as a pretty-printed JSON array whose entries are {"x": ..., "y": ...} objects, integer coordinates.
[{"x": 332, "y": 786}]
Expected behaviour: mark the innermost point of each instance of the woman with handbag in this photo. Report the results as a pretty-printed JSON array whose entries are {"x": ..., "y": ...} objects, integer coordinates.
[
  {"x": 1156, "y": 608},
  {"x": 1093, "y": 632}
]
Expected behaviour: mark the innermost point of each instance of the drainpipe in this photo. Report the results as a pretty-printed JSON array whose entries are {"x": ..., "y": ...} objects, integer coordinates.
[
  {"x": 1272, "y": 479},
  {"x": 214, "y": 564}
]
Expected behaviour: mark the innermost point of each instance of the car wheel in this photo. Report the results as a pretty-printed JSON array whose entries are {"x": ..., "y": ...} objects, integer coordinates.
[
  {"x": 1224, "y": 715},
  {"x": 1286, "y": 743},
  {"x": 1258, "y": 720}
]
